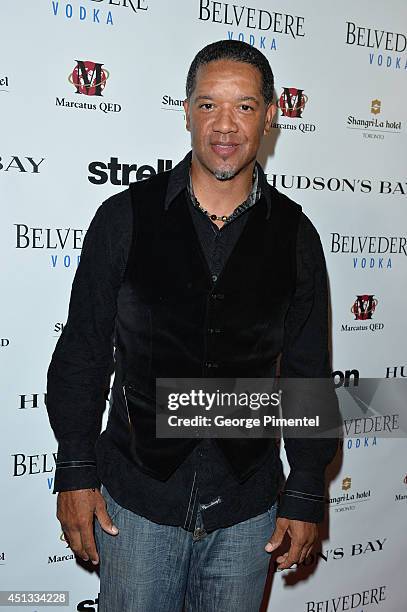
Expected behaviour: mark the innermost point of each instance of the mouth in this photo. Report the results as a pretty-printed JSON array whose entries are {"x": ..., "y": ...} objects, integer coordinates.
[{"x": 224, "y": 150}]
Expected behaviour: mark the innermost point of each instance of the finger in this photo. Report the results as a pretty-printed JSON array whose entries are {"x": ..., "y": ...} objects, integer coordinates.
[
  {"x": 65, "y": 538},
  {"x": 306, "y": 551},
  {"x": 75, "y": 543},
  {"x": 104, "y": 519},
  {"x": 282, "y": 558},
  {"x": 293, "y": 556},
  {"x": 277, "y": 536},
  {"x": 89, "y": 545}
]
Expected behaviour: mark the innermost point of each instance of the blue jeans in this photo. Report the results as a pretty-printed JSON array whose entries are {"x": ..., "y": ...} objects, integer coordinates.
[{"x": 149, "y": 567}]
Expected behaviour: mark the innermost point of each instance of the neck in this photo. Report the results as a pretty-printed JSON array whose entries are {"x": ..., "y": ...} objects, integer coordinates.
[{"x": 220, "y": 197}]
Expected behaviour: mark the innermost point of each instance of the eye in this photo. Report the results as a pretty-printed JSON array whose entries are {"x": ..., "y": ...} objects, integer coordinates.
[
  {"x": 246, "y": 107},
  {"x": 206, "y": 106}
]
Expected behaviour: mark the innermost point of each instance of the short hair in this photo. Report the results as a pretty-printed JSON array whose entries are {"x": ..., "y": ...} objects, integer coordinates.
[{"x": 237, "y": 51}]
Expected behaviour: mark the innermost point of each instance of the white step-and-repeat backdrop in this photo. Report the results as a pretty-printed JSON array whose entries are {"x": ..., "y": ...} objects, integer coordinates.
[{"x": 338, "y": 148}]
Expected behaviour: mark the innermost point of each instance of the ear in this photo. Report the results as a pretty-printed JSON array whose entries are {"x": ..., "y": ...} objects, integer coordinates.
[
  {"x": 270, "y": 112},
  {"x": 186, "y": 109}
]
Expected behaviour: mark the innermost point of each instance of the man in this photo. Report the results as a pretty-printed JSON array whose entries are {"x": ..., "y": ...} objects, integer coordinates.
[{"x": 202, "y": 271}]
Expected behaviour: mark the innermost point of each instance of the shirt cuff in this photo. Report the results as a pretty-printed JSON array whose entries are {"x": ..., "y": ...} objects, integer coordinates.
[
  {"x": 75, "y": 467},
  {"x": 303, "y": 498},
  {"x": 75, "y": 475}
]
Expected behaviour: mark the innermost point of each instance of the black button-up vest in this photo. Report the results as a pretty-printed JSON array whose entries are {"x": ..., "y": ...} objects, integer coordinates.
[{"x": 173, "y": 320}]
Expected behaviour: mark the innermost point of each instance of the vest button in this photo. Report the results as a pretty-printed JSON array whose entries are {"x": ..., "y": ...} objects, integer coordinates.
[{"x": 214, "y": 277}]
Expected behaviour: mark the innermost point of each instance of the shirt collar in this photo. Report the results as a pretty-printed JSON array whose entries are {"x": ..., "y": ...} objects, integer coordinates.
[
  {"x": 252, "y": 198},
  {"x": 179, "y": 177}
]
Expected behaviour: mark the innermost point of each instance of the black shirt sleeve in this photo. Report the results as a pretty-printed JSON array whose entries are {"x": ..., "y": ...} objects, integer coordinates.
[
  {"x": 79, "y": 372},
  {"x": 306, "y": 354}
]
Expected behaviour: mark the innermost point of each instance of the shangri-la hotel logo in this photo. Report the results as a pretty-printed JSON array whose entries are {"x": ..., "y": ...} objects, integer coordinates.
[
  {"x": 376, "y": 107},
  {"x": 346, "y": 483}
]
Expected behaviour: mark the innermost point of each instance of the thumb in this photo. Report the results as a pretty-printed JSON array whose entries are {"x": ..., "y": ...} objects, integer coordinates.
[
  {"x": 277, "y": 536},
  {"x": 105, "y": 521}
]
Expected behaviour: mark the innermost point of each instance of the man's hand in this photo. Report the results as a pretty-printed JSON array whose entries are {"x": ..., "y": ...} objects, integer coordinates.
[
  {"x": 302, "y": 534},
  {"x": 75, "y": 511}
]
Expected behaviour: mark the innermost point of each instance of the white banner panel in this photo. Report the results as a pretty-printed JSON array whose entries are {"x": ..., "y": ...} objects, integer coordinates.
[{"x": 338, "y": 148}]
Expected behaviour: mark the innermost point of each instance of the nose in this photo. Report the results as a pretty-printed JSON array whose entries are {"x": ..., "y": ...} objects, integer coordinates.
[{"x": 225, "y": 121}]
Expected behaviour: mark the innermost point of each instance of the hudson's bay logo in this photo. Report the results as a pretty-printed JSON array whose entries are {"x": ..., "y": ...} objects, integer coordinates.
[
  {"x": 369, "y": 252},
  {"x": 336, "y": 183},
  {"x": 396, "y": 371},
  {"x": 364, "y": 306},
  {"x": 374, "y": 128},
  {"x": 292, "y": 102},
  {"x": 337, "y": 553},
  {"x": 100, "y": 15},
  {"x": 256, "y": 26},
  {"x": 18, "y": 163},
  {"x": 32, "y": 400},
  {"x": 89, "y": 79}
]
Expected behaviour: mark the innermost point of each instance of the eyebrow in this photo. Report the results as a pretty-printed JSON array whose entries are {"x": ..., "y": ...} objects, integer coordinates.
[
  {"x": 240, "y": 99},
  {"x": 248, "y": 98}
]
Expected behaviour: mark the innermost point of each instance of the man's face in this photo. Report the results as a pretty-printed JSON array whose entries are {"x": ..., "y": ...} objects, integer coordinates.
[{"x": 227, "y": 117}]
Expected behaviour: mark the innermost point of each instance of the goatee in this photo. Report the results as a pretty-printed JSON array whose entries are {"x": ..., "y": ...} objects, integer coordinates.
[{"x": 224, "y": 175}]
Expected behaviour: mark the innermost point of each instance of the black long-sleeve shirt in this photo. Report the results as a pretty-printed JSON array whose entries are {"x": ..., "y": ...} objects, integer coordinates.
[{"x": 203, "y": 477}]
